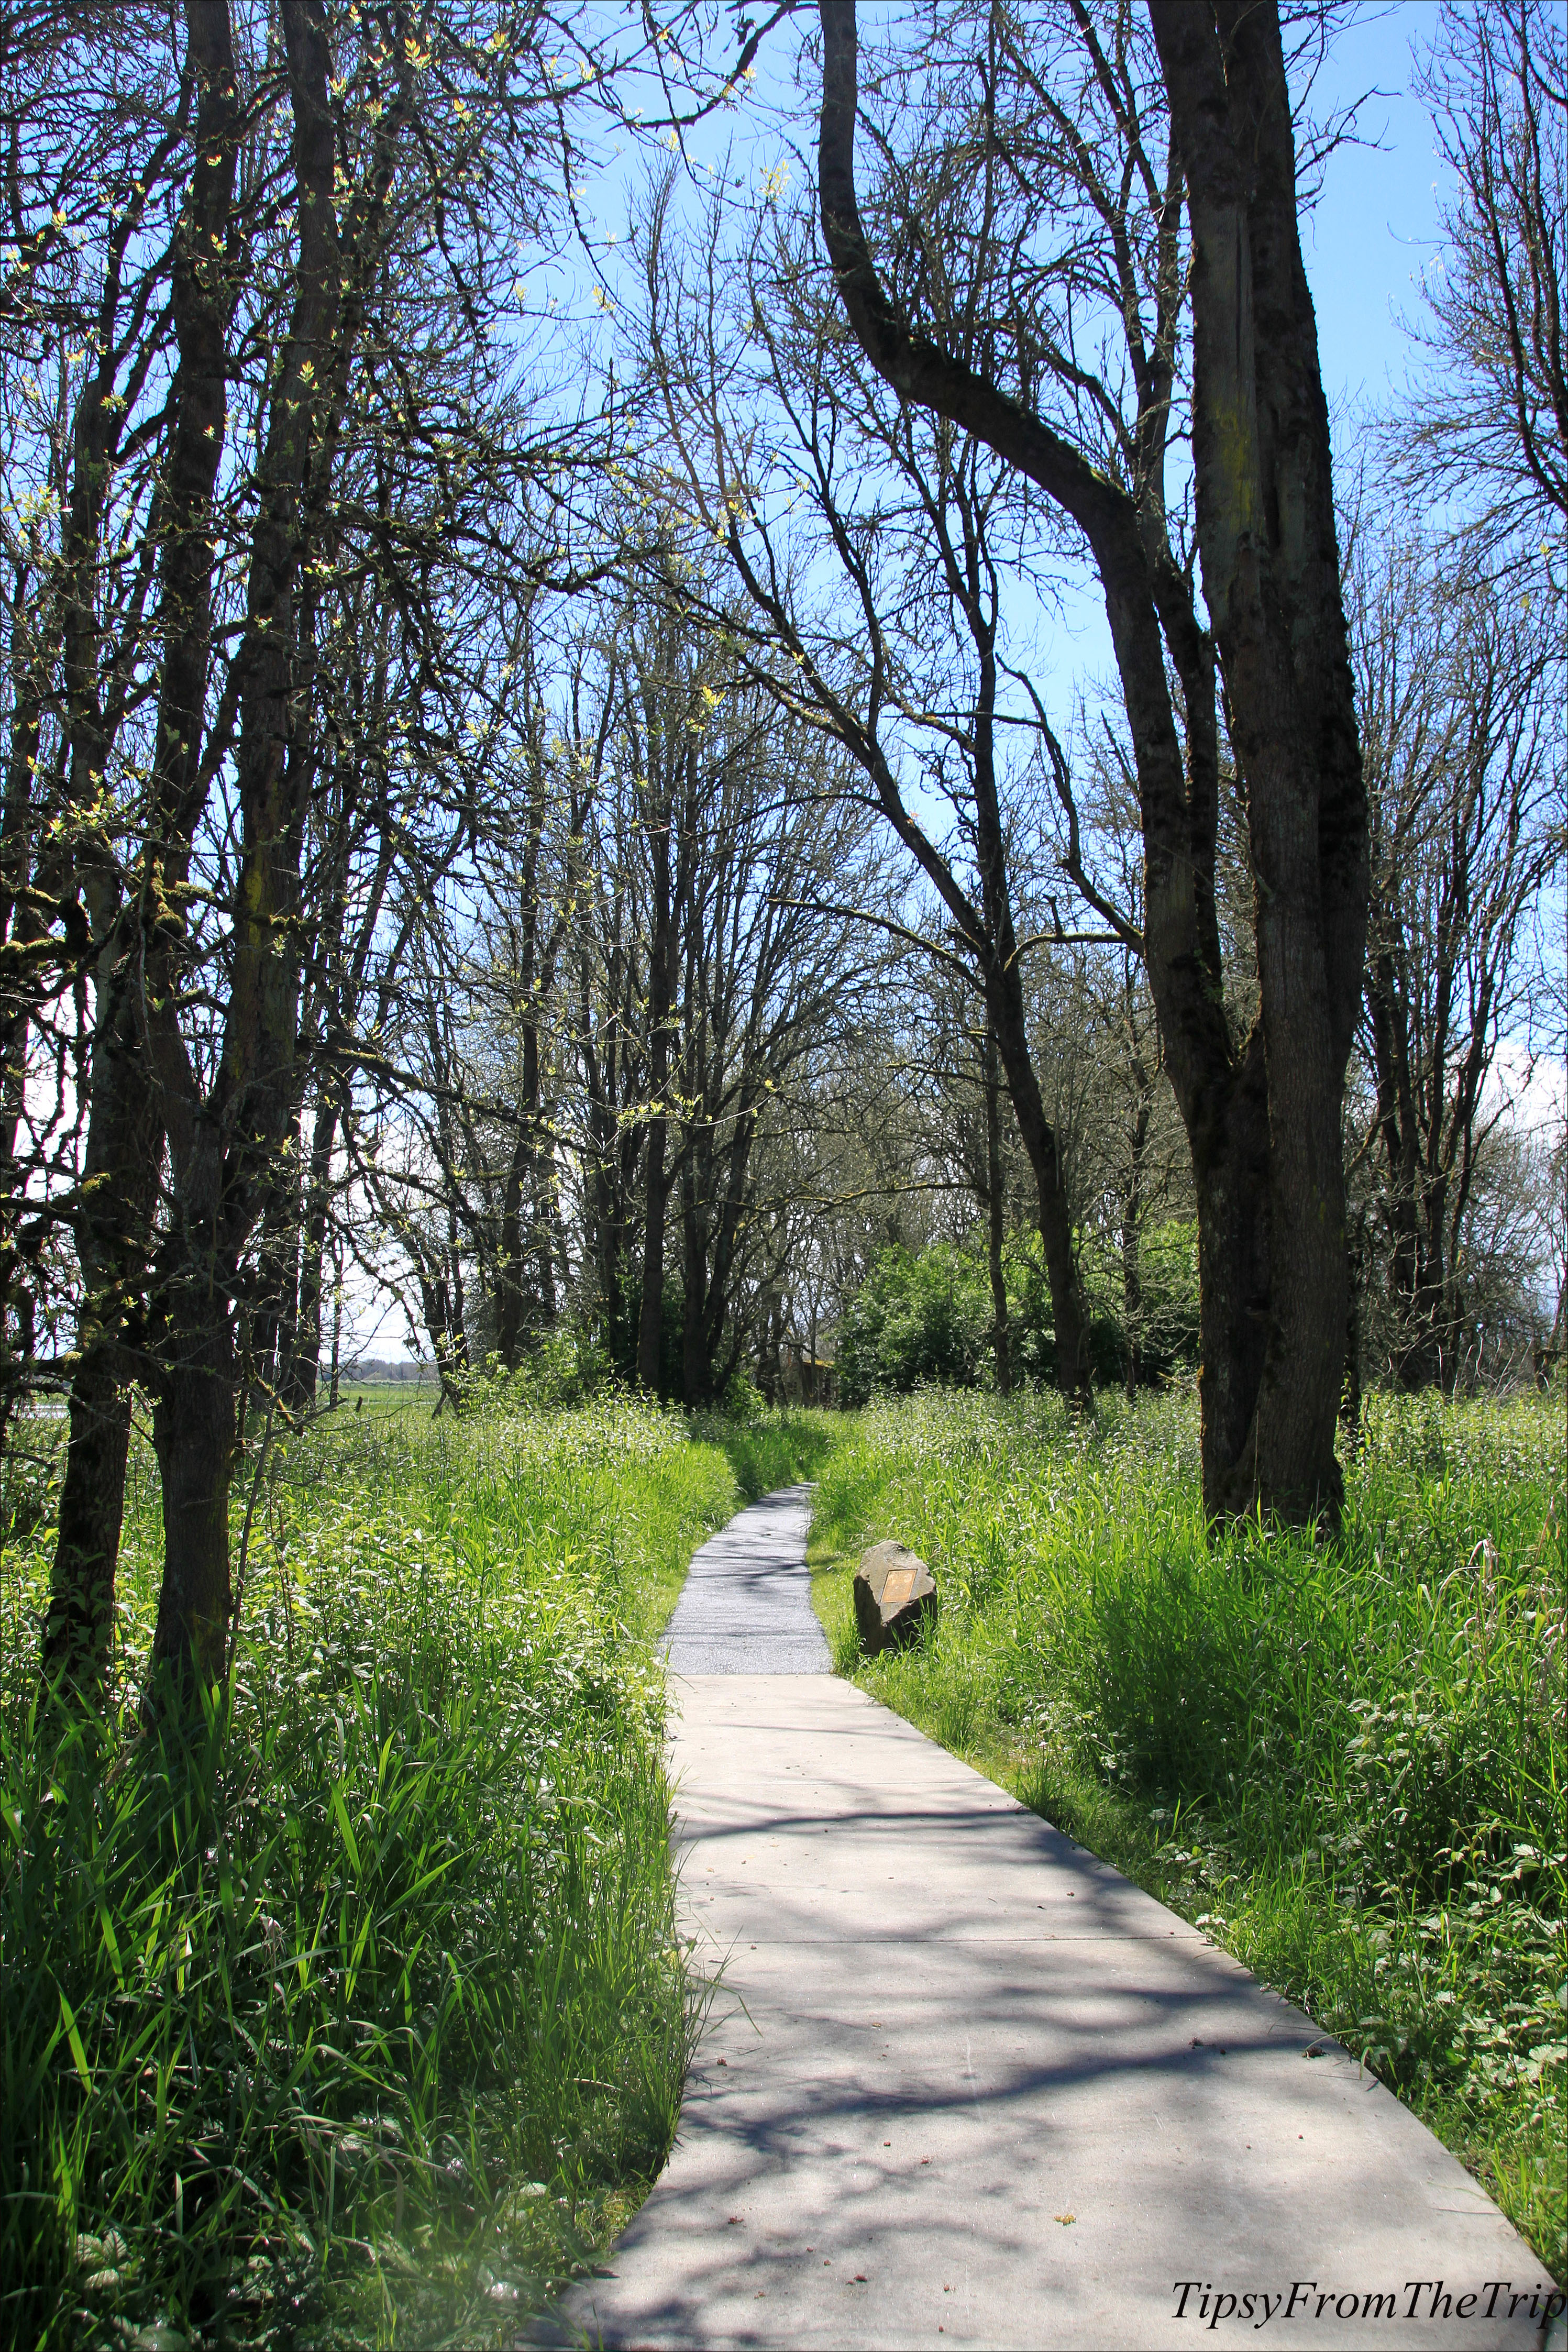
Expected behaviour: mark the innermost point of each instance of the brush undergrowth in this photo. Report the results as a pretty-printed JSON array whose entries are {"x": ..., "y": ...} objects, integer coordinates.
[
  {"x": 1345, "y": 1760},
  {"x": 355, "y": 2014}
]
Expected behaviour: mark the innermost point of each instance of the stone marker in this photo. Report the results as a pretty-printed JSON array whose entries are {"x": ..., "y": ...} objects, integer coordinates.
[{"x": 895, "y": 1592}]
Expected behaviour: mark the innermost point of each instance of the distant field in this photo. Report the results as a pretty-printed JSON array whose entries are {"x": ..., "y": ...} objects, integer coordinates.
[{"x": 1346, "y": 1762}]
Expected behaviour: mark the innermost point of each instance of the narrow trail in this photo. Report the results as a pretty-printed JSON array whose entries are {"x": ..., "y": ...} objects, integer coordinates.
[{"x": 964, "y": 2085}]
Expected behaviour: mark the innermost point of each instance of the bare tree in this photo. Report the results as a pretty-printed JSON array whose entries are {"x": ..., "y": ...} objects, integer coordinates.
[
  {"x": 348, "y": 190},
  {"x": 554, "y": 1114},
  {"x": 1488, "y": 420},
  {"x": 771, "y": 959},
  {"x": 885, "y": 628},
  {"x": 1455, "y": 685},
  {"x": 1065, "y": 119}
]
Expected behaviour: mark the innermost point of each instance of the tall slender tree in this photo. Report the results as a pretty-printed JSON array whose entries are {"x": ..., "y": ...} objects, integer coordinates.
[{"x": 1263, "y": 1113}]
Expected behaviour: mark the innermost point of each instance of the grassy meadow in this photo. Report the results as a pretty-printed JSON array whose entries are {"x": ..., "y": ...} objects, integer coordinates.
[
  {"x": 359, "y": 2018},
  {"x": 1346, "y": 1761}
]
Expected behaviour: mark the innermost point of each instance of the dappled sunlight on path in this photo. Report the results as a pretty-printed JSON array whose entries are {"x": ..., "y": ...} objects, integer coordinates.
[{"x": 963, "y": 2083}]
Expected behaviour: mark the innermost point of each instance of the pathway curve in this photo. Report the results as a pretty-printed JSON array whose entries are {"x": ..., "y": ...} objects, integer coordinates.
[{"x": 964, "y": 2085}]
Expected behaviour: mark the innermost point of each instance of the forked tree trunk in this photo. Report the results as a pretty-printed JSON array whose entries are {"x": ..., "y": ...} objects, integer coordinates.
[
  {"x": 225, "y": 1133},
  {"x": 1264, "y": 1123},
  {"x": 1267, "y": 537},
  {"x": 125, "y": 1122}
]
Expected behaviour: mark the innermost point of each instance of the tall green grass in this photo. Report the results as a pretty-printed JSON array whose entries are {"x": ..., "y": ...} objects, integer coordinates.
[
  {"x": 357, "y": 2014},
  {"x": 1344, "y": 1759},
  {"x": 773, "y": 1449}
]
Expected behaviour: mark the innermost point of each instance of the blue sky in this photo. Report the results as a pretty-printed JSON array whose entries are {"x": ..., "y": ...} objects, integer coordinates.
[
  {"x": 1365, "y": 241},
  {"x": 1376, "y": 224}
]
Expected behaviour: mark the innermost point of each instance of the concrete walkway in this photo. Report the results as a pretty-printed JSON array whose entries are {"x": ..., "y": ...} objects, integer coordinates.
[
  {"x": 964, "y": 2085},
  {"x": 745, "y": 1607}
]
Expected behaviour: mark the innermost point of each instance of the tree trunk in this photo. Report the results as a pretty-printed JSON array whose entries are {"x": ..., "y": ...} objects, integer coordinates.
[
  {"x": 121, "y": 1168},
  {"x": 274, "y": 1305},
  {"x": 995, "y": 1210},
  {"x": 224, "y": 1134},
  {"x": 518, "y": 1255},
  {"x": 337, "y": 1328},
  {"x": 1007, "y": 1024},
  {"x": 1132, "y": 1203},
  {"x": 650, "y": 1318},
  {"x": 1004, "y": 1004},
  {"x": 194, "y": 1434},
  {"x": 304, "y": 1366},
  {"x": 696, "y": 1370},
  {"x": 548, "y": 1231},
  {"x": 508, "y": 1256},
  {"x": 1132, "y": 1291},
  {"x": 1351, "y": 1395},
  {"x": 1230, "y": 1169},
  {"x": 78, "y": 1630},
  {"x": 1266, "y": 534},
  {"x": 655, "y": 1188},
  {"x": 125, "y": 1123},
  {"x": 23, "y": 824}
]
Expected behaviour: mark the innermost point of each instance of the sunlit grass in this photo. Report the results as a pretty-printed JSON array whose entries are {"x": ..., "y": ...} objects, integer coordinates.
[
  {"x": 359, "y": 2016},
  {"x": 1345, "y": 1760}
]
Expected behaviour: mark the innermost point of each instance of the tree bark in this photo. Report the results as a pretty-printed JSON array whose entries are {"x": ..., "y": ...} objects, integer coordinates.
[
  {"x": 1007, "y": 1016},
  {"x": 194, "y": 1437},
  {"x": 1133, "y": 1276},
  {"x": 661, "y": 998},
  {"x": 299, "y": 1393},
  {"x": 224, "y": 1138},
  {"x": 113, "y": 1243},
  {"x": 1267, "y": 533},
  {"x": 696, "y": 1370},
  {"x": 995, "y": 1211},
  {"x": 79, "y": 1628},
  {"x": 656, "y": 1192},
  {"x": 520, "y": 1255},
  {"x": 1007, "y": 1024}
]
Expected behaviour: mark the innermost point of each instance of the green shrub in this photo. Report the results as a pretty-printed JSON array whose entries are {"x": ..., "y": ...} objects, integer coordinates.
[
  {"x": 919, "y": 1315},
  {"x": 925, "y": 1317}
]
